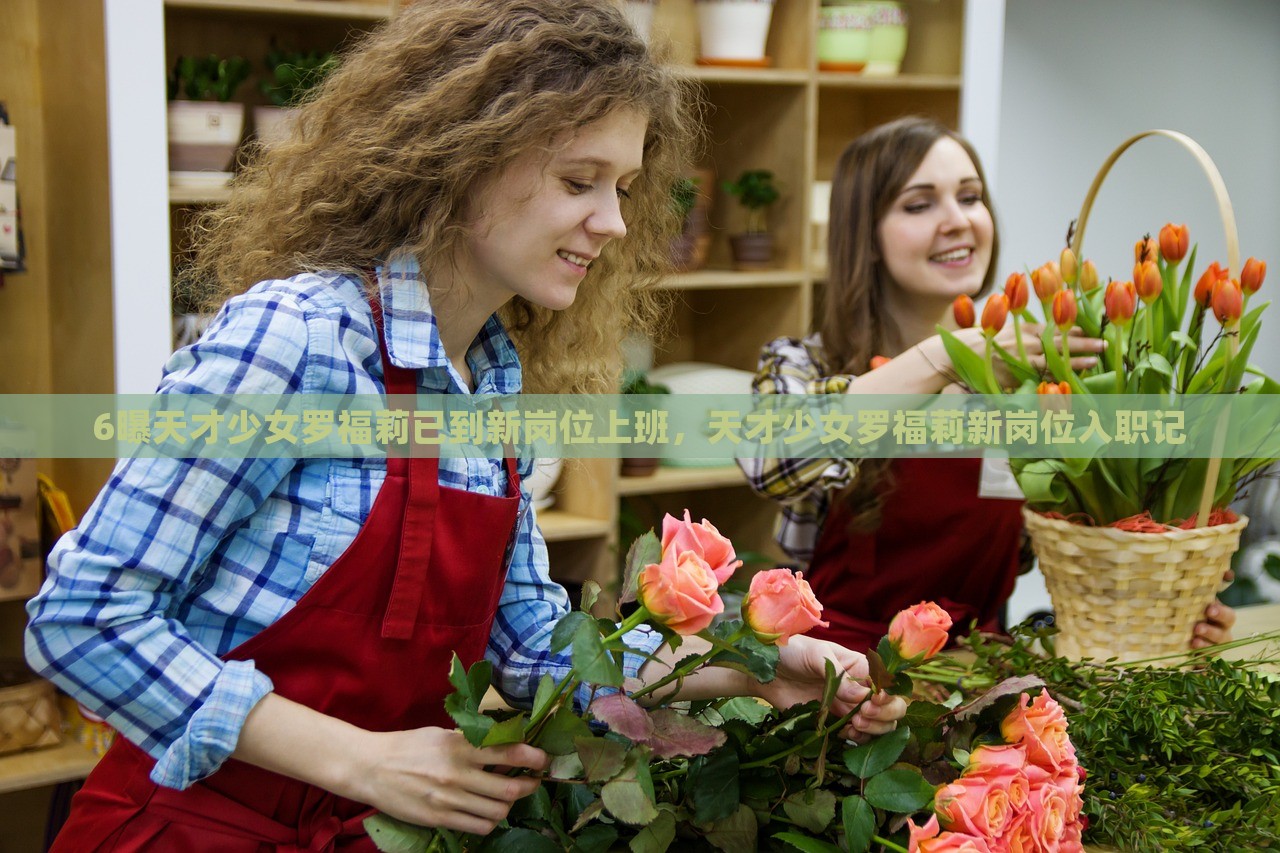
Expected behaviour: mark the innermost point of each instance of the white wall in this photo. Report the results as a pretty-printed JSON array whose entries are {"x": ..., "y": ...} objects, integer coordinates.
[{"x": 1080, "y": 77}]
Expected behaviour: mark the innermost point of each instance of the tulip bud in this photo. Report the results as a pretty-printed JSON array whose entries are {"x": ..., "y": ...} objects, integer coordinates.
[
  {"x": 1121, "y": 302},
  {"x": 1088, "y": 276},
  {"x": 1210, "y": 277},
  {"x": 1145, "y": 250},
  {"x": 1047, "y": 281},
  {"x": 1252, "y": 275},
  {"x": 1069, "y": 267},
  {"x": 994, "y": 313},
  {"x": 1053, "y": 388},
  {"x": 1064, "y": 309},
  {"x": 1016, "y": 290},
  {"x": 1227, "y": 301},
  {"x": 879, "y": 361},
  {"x": 1147, "y": 281},
  {"x": 1174, "y": 242},
  {"x": 962, "y": 310}
]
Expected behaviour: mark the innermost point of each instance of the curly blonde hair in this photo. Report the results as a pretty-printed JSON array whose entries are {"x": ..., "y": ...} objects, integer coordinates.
[{"x": 388, "y": 152}]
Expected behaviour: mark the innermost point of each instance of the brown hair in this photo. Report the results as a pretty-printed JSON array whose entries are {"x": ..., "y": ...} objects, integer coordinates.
[
  {"x": 869, "y": 175},
  {"x": 396, "y": 141}
]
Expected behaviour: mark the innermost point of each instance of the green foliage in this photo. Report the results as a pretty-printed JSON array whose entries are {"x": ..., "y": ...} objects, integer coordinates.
[
  {"x": 208, "y": 78},
  {"x": 295, "y": 73},
  {"x": 755, "y": 191},
  {"x": 684, "y": 195}
]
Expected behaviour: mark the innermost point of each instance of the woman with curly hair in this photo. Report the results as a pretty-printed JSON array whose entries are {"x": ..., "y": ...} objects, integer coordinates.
[
  {"x": 272, "y": 636},
  {"x": 912, "y": 228}
]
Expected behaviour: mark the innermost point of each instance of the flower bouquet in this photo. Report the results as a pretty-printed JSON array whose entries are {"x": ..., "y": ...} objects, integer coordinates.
[
  {"x": 633, "y": 769},
  {"x": 1135, "y": 543}
]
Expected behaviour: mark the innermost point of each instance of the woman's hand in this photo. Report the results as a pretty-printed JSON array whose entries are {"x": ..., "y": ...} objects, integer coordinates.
[
  {"x": 802, "y": 674},
  {"x": 1215, "y": 627},
  {"x": 434, "y": 777}
]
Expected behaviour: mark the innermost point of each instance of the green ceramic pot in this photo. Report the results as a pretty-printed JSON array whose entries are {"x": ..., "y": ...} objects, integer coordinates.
[
  {"x": 844, "y": 36},
  {"x": 888, "y": 39}
]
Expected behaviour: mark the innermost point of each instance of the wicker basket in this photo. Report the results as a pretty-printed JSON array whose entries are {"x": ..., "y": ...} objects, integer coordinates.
[
  {"x": 29, "y": 716},
  {"x": 1129, "y": 595}
]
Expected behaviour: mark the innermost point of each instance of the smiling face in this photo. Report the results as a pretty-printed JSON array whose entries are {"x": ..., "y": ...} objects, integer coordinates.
[
  {"x": 935, "y": 241},
  {"x": 541, "y": 224}
]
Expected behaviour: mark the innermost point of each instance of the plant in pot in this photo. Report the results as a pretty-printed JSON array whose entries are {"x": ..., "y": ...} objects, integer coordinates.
[
  {"x": 733, "y": 32},
  {"x": 204, "y": 124},
  {"x": 639, "y": 385},
  {"x": 293, "y": 74},
  {"x": 1134, "y": 537},
  {"x": 754, "y": 189},
  {"x": 689, "y": 248}
]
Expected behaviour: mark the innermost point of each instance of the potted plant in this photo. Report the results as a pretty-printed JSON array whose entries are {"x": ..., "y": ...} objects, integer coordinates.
[
  {"x": 293, "y": 74},
  {"x": 689, "y": 249},
  {"x": 754, "y": 189},
  {"x": 1133, "y": 547},
  {"x": 733, "y": 32},
  {"x": 639, "y": 384},
  {"x": 204, "y": 124}
]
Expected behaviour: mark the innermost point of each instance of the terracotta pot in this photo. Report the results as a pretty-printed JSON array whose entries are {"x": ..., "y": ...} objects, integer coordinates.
[
  {"x": 640, "y": 466},
  {"x": 752, "y": 251}
]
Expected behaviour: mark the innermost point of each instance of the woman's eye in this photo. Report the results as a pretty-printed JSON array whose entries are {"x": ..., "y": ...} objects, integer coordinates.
[
  {"x": 971, "y": 199},
  {"x": 916, "y": 206},
  {"x": 576, "y": 187},
  {"x": 624, "y": 193}
]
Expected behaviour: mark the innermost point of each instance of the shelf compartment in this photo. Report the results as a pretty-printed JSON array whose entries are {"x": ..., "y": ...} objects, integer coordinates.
[
  {"x": 719, "y": 279},
  {"x": 351, "y": 10},
  {"x": 559, "y": 526},
  {"x": 682, "y": 480},
  {"x": 897, "y": 83},
  {"x": 38, "y": 767},
  {"x": 180, "y": 196}
]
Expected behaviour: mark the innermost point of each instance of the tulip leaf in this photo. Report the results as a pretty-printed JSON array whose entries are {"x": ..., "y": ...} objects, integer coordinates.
[
  {"x": 657, "y": 836},
  {"x": 868, "y": 759},
  {"x": 505, "y": 732},
  {"x": 591, "y": 660},
  {"x": 806, "y": 843},
  {"x": 736, "y": 833},
  {"x": 713, "y": 785},
  {"x": 646, "y": 550},
  {"x": 970, "y": 366},
  {"x": 811, "y": 809},
  {"x": 859, "y": 823},
  {"x": 902, "y": 790},
  {"x": 1021, "y": 371}
]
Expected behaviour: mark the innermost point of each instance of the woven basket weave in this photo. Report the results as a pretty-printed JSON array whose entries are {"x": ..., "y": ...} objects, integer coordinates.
[
  {"x": 1129, "y": 595},
  {"x": 29, "y": 715}
]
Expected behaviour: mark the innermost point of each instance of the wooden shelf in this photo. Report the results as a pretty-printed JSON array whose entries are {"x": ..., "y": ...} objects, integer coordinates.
[
  {"x": 49, "y": 766},
  {"x": 682, "y": 480},
  {"x": 770, "y": 76},
  {"x": 719, "y": 279},
  {"x": 352, "y": 10},
  {"x": 560, "y": 526},
  {"x": 899, "y": 83},
  {"x": 183, "y": 196}
]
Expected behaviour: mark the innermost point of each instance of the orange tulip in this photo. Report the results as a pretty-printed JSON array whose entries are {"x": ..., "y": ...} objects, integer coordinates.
[
  {"x": 994, "y": 313},
  {"x": 1210, "y": 277},
  {"x": 1147, "y": 281},
  {"x": 1121, "y": 301},
  {"x": 1069, "y": 266},
  {"x": 1252, "y": 275},
  {"x": 1174, "y": 242},
  {"x": 1064, "y": 309},
  {"x": 879, "y": 361},
  {"x": 1088, "y": 276},
  {"x": 962, "y": 310},
  {"x": 1145, "y": 250},
  {"x": 1227, "y": 301},
  {"x": 1047, "y": 281},
  {"x": 1016, "y": 290},
  {"x": 1053, "y": 388}
]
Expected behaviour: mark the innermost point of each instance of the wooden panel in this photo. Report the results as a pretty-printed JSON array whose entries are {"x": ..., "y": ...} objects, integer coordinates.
[
  {"x": 846, "y": 112},
  {"x": 369, "y": 10},
  {"x": 934, "y": 37},
  {"x": 729, "y": 327}
]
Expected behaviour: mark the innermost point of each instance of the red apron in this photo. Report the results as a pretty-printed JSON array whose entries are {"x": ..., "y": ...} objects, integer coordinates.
[
  {"x": 415, "y": 586},
  {"x": 937, "y": 541}
]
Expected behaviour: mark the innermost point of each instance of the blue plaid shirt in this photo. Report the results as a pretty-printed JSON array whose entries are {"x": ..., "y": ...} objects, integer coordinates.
[{"x": 179, "y": 561}]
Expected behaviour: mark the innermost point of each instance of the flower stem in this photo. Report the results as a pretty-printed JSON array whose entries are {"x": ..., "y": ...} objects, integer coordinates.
[
  {"x": 991, "y": 370},
  {"x": 641, "y": 613},
  {"x": 682, "y": 671},
  {"x": 1017, "y": 334},
  {"x": 822, "y": 733},
  {"x": 888, "y": 844}
]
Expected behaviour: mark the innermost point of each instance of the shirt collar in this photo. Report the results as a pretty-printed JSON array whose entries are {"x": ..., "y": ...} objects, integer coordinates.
[{"x": 413, "y": 337}]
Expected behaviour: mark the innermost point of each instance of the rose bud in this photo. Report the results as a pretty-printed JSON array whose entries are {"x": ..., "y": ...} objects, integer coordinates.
[
  {"x": 1174, "y": 242},
  {"x": 680, "y": 592},
  {"x": 1252, "y": 275},
  {"x": 1088, "y": 276},
  {"x": 994, "y": 313},
  {"x": 1227, "y": 301},
  {"x": 1016, "y": 290},
  {"x": 879, "y": 361},
  {"x": 1120, "y": 301},
  {"x": 1069, "y": 266},
  {"x": 1064, "y": 309},
  {"x": 1204, "y": 287},
  {"x": 1145, "y": 250},
  {"x": 1047, "y": 281},
  {"x": 1147, "y": 281},
  {"x": 962, "y": 310},
  {"x": 920, "y": 631},
  {"x": 780, "y": 605},
  {"x": 702, "y": 539}
]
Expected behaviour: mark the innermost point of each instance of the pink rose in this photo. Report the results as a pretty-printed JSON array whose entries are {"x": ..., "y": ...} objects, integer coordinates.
[
  {"x": 702, "y": 539},
  {"x": 780, "y": 605},
  {"x": 973, "y": 805},
  {"x": 1004, "y": 768},
  {"x": 954, "y": 842},
  {"x": 1047, "y": 817},
  {"x": 920, "y": 631},
  {"x": 920, "y": 833},
  {"x": 1071, "y": 841},
  {"x": 1041, "y": 726},
  {"x": 1017, "y": 835},
  {"x": 680, "y": 592}
]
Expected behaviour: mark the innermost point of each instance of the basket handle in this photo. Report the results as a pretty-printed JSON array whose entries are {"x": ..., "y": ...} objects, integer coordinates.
[{"x": 1227, "y": 213}]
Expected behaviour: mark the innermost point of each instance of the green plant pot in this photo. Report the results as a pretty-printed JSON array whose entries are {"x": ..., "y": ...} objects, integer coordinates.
[
  {"x": 844, "y": 36},
  {"x": 888, "y": 43}
]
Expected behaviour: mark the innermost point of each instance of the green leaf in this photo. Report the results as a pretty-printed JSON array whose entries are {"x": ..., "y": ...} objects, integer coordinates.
[
  {"x": 744, "y": 708},
  {"x": 970, "y": 366},
  {"x": 658, "y": 835},
  {"x": 676, "y": 734},
  {"x": 602, "y": 758},
  {"x": 505, "y": 732},
  {"x": 562, "y": 635},
  {"x": 859, "y": 823},
  {"x": 805, "y": 843},
  {"x": 590, "y": 593},
  {"x": 813, "y": 810},
  {"x": 518, "y": 840},
  {"x": 558, "y": 735},
  {"x": 736, "y": 833},
  {"x": 591, "y": 660},
  {"x": 923, "y": 714},
  {"x": 868, "y": 759},
  {"x": 713, "y": 785},
  {"x": 543, "y": 698},
  {"x": 567, "y": 767},
  {"x": 536, "y": 806},
  {"x": 899, "y": 790},
  {"x": 597, "y": 838},
  {"x": 629, "y": 795},
  {"x": 397, "y": 836},
  {"x": 647, "y": 549},
  {"x": 1272, "y": 565}
]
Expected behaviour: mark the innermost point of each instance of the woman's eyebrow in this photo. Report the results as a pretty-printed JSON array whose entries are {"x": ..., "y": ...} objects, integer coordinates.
[{"x": 596, "y": 162}]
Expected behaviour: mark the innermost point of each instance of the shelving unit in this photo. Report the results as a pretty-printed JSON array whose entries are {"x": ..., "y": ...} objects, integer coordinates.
[{"x": 63, "y": 763}]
